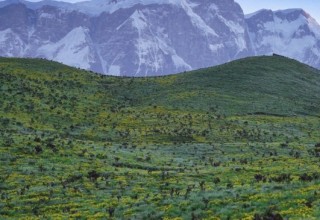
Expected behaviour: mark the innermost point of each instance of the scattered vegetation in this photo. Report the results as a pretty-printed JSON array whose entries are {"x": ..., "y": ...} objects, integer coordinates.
[{"x": 237, "y": 141}]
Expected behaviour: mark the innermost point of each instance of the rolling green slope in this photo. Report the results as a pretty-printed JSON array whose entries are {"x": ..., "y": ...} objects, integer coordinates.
[
  {"x": 67, "y": 100},
  {"x": 233, "y": 141}
]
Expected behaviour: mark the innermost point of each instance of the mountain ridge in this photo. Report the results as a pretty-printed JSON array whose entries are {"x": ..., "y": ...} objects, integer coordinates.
[
  {"x": 293, "y": 33},
  {"x": 140, "y": 40}
]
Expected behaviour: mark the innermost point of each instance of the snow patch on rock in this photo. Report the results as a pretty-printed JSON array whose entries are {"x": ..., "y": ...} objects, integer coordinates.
[{"x": 72, "y": 50}]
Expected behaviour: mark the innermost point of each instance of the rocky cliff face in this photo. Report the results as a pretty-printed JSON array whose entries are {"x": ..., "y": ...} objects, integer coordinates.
[
  {"x": 292, "y": 33},
  {"x": 148, "y": 37}
]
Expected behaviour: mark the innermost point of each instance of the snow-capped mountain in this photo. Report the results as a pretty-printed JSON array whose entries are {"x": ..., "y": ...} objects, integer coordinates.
[
  {"x": 149, "y": 37},
  {"x": 126, "y": 37},
  {"x": 292, "y": 33}
]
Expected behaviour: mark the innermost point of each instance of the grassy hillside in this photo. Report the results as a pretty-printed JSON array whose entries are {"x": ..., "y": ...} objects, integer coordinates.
[{"x": 233, "y": 141}]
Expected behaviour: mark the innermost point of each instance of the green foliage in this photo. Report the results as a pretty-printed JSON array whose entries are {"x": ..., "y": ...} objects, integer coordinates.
[{"x": 240, "y": 140}]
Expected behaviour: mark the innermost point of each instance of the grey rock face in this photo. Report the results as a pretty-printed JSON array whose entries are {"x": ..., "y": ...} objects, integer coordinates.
[
  {"x": 148, "y": 37},
  {"x": 144, "y": 38},
  {"x": 292, "y": 33}
]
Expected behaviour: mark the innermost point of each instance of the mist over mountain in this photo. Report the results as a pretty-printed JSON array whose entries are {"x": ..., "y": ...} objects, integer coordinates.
[{"x": 148, "y": 37}]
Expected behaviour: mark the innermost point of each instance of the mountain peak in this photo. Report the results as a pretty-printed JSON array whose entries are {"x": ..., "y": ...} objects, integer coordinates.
[
  {"x": 96, "y": 7},
  {"x": 291, "y": 32},
  {"x": 138, "y": 37},
  {"x": 290, "y": 11},
  {"x": 258, "y": 13}
]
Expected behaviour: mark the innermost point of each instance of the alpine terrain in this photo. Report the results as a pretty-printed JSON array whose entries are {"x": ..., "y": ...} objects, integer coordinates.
[
  {"x": 292, "y": 33},
  {"x": 148, "y": 37}
]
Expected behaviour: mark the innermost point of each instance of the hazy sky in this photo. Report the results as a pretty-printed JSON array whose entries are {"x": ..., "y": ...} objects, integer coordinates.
[{"x": 249, "y": 6}]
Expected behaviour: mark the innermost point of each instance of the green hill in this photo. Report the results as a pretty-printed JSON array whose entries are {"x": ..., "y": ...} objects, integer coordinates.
[{"x": 235, "y": 141}]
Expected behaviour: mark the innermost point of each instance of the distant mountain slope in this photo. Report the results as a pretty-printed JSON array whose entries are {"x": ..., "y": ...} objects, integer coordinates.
[
  {"x": 139, "y": 38},
  {"x": 132, "y": 38},
  {"x": 293, "y": 33}
]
